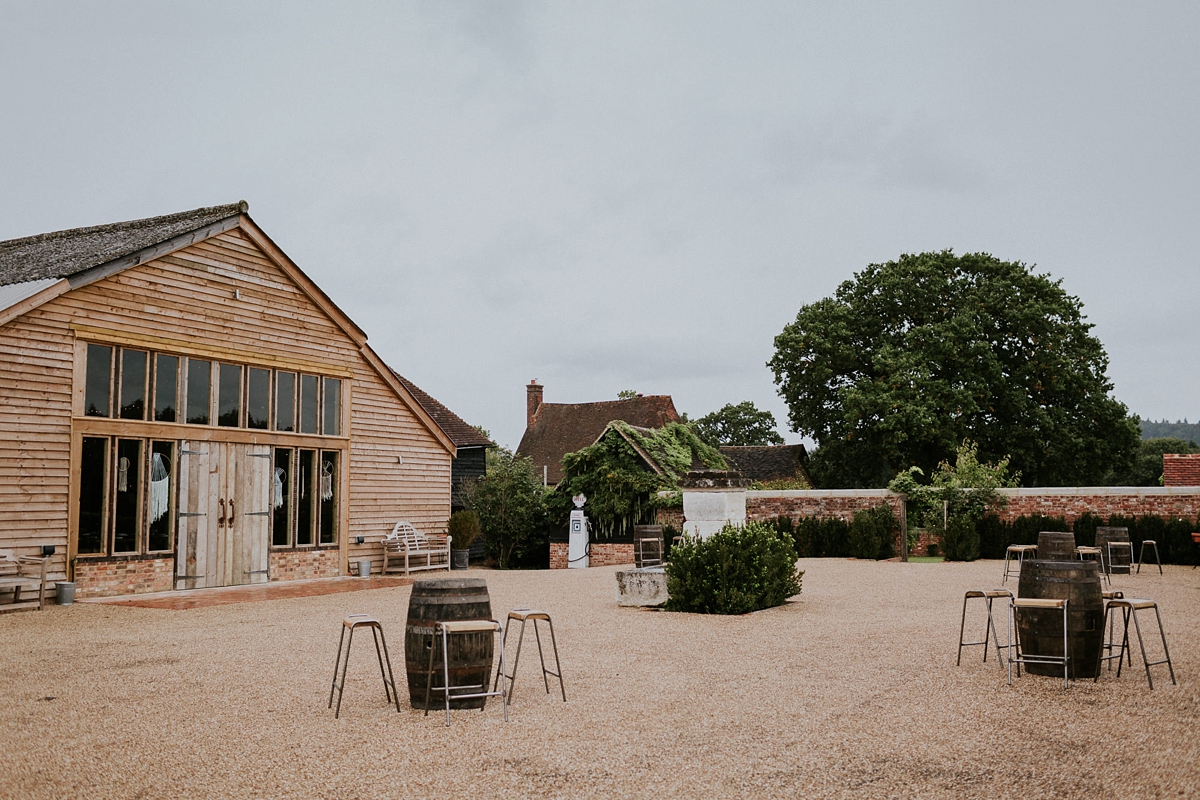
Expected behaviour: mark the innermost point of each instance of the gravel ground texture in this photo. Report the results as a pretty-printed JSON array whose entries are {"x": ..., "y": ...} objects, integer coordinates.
[{"x": 849, "y": 690}]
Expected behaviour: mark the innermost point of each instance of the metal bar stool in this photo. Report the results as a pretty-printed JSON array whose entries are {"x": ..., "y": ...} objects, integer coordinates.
[
  {"x": 1110, "y": 643},
  {"x": 1121, "y": 546},
  {"x": 458, "y": 627},
  {"x": 1020, "y": 551},
  {"x": 523, "y": 615},
  {"x": 389, "y": 682},
  {"x": 1095, "y": 554},
  {"x": 1129, "y": 607},
  {"x": 1142, "y": 555},
  {"x": 988, "y": 595},
  {"x": 1021, "y": 658}
]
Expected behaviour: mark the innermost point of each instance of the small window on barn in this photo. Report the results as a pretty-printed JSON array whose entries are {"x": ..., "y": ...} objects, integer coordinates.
[
  {"x": 98, "y": 388},
  {"x": 258, "y": 398},
  {"x": 285, "y": 401},
  {"x": 161, "y": 499},
  {"x": 306, "y": 498},
  {"x": 133, "y": 384},
  {"x": 129, "y": 496},
  {"x": 281, "y": 498},
  {"x": 308, "y": 404},
  {"x": 333, "y": 407},
  {"x": 328, "y": 486},
  {"x": 93, "y": 465},
  {"x": 199, "y": 391},
  {"x": 166, "y": 388},
  {"x": 229, "y": 395}
]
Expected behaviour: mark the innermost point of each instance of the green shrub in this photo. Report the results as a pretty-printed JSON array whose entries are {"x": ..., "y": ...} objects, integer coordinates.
[
  {"x": 734, "y": 571},
  {"x": 961, "y": 540},
  {"x": 463, "y": 529},
  {"x": 870, "y": 534}
]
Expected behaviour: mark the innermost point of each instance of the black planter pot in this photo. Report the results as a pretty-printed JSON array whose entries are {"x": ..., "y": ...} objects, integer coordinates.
[{"x": 460, "y": 559}]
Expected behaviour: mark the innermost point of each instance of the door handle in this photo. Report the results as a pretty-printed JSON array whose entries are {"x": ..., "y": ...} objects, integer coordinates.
[
  {"x": 231, "y": 512},
  {"x": 221, "y": 514}
]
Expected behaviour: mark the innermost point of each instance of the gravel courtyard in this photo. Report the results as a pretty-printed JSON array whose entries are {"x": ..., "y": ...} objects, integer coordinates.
[{"x": 848, "y": 690}]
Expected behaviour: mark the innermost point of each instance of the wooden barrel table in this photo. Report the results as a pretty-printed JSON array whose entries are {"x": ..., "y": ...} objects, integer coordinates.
[
  {"x": 1056, "y": 546},
  {"x": 470, "y": 658},
  {"x": 1041, "y": 630},
  {"x": 1121, "y": 556}
]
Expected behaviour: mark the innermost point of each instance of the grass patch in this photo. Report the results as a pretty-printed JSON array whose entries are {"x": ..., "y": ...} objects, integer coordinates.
[{"x": 925, "y": 559}]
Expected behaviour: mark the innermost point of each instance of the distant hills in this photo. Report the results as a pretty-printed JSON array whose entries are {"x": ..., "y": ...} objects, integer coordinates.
[{"x": 1188, "y": 431}]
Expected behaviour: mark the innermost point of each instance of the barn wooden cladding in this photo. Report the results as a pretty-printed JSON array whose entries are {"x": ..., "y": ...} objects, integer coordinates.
[{"x": 180, "y": 406}]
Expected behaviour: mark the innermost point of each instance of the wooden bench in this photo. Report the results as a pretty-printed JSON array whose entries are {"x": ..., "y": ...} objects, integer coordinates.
[
  {"x": 407, "y": 546},
  {"x": 18, "y": 573}
]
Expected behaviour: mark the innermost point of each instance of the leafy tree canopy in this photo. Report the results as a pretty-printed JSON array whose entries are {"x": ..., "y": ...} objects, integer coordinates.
[
  {"x": 911, "y": 357},
  {"x": 1188, "y": 431},
  {"x": 739, "y": 425},
  {"x": 510, "y": 505}
]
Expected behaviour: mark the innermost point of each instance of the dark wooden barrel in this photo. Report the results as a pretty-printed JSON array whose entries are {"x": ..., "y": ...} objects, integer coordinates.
[
  {"x": 1121, "y": 556},
  {"x": 1056, "y": 546},
  {"x": 444, "y": 600},
  {"x": 1041, "y": 629}
]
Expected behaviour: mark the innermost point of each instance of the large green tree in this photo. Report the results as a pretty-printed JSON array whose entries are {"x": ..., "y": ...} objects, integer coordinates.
[
  {"x": 911, "y": 357},
  {"x": 743, "y": 424}
]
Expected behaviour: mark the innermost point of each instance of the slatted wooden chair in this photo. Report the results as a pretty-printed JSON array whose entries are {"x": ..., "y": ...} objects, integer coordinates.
[
  {"x": 406, "y": 546},
  {"x": 19, "y": 573}
]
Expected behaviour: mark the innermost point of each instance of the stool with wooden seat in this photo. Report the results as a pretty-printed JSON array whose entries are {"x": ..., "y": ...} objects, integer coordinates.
[
  {"x": 1142, "y": 555},
  {"x": 1019, "y": 552},
  {"x": 453, "y": 628},
  {"x": 1016, "y": 604},
  {"x": 1126, "y": 546},
  {"x": 1110, "y": 644},
  {"x": 381, "y": 652},
  {"x": 524, "y": 615},
  {"x": 1095, "y": 554},
  {"x": 1129, "y": 606},
  {"x": 987, "y": 595}
]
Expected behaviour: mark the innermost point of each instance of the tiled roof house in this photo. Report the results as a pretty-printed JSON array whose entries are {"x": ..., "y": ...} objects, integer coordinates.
[{"x": 554, "y": 429}]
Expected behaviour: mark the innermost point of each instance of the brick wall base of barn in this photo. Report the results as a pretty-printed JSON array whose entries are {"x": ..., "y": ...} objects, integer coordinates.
[
  {"x": 603, "y": 554},
  {"x": 108, "y": 577}
]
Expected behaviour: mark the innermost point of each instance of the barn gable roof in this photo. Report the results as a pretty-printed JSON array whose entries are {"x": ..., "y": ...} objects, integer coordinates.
[
  {"x": 461, "y": 432},
  {"x": 36, "y": 269},
  {"x": 561, "y": 428}
]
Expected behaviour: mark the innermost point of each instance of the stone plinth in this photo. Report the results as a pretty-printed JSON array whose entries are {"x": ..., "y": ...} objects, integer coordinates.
[{"x": 642, "y": 587}]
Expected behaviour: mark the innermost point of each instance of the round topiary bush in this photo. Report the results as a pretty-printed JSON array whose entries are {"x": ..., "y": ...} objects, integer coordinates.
[{"x": 734, "y": 571}]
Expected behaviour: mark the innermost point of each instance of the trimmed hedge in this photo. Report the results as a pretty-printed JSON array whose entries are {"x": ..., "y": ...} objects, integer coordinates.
[
  {"x": 1174, "y": 537},
  {"x": 734, "y": 571}
]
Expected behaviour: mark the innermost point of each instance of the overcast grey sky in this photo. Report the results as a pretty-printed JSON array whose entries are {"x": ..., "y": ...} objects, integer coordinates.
[{"x": 609, "y": 196}]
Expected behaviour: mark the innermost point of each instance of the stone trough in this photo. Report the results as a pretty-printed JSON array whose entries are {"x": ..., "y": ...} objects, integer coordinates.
[{"x": 646, "y": 587}]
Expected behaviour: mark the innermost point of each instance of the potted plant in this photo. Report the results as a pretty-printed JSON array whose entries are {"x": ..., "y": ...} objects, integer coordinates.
[{"x": 463, "y": 529}]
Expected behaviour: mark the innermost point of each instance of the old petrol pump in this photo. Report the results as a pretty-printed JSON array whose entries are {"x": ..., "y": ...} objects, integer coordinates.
[{"x": 578, "y": 546}]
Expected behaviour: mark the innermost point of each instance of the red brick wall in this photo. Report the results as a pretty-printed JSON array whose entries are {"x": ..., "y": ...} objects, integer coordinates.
[
  {"x": 827, "y": 504},
  {"x": 106, "y": 577},
  {"x": 1181, "y": 469},
  {"x": 1128, "y": 502},
  {"x": 290, "y": 565},
  {"x": 602, "y": 554},
  {"x": 670, "y": 516}
]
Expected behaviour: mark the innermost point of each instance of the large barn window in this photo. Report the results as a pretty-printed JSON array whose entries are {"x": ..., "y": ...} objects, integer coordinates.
[
  {"x": 135, "y": 479},
  {"x": 166, "y": 387},
  {"x": 308, "y": 404},
  {"x": 229, "y": 396},
  {"x": 93, "y": 482},
  {"x": 306, "y": 498},
  {"x": 98, "y": 383},
  {"x": 327, "y": 488},
  {"x": 143, "y": 385},
  {"x": 199, "y": 391},
  {"x": 285, "y": 401},
  {"x": 258, "y": 398},
  {"x": 133, "y": 384},
  {"x": 281, "y": 498}
]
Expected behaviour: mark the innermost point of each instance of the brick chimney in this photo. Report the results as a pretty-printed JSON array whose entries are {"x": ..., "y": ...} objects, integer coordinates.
[
  {"x": 1181, "y": 469},
  {"x": 533, "y": 401}
]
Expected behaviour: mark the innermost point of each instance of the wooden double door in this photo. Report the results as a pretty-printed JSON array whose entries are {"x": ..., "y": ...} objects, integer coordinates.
[{"x": 224, "y": 514}]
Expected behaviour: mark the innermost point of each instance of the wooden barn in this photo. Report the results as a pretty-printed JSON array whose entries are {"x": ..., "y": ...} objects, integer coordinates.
[{"x": 182, "y": 407}]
